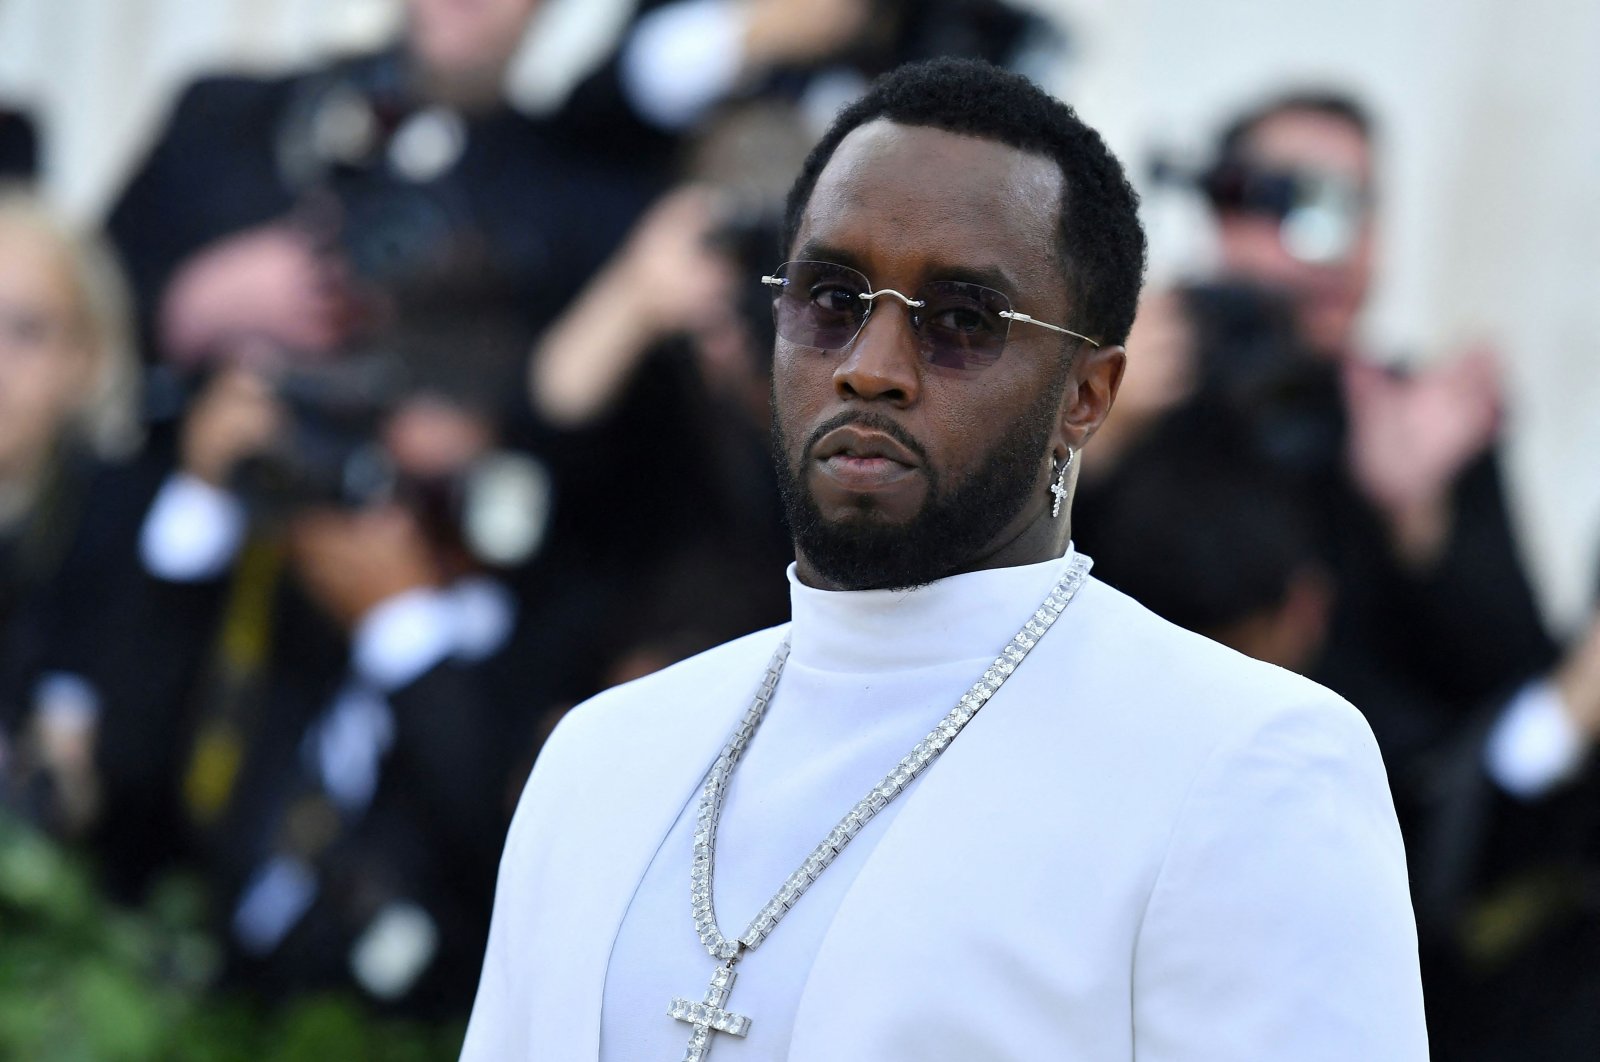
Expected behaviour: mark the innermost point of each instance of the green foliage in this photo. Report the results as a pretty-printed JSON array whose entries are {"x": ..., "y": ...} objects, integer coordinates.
[{"x": 84, "y": 981}]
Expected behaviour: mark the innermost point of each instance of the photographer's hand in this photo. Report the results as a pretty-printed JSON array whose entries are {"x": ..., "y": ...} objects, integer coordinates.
[
  {"x": 785, "y": 32},
  {"x": 351, "y": 562},
  {"x": 667, "y": 279},
  {"x": 1161, "y": 375},
  {"x": 1547, "y": 732},
  {"x": 1411, "y": 437},
  {"x": 234, "y": 417},
  {"x": 272, "y": 285}
]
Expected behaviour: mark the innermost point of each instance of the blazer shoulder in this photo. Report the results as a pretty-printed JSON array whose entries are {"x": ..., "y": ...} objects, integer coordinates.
[{"x": 1205, "y": 688}]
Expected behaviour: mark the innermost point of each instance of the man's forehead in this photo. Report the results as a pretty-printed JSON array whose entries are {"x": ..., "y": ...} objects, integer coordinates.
[
  {"x": 1312, "y": 140},
  {"x": 906, "y": 184}
]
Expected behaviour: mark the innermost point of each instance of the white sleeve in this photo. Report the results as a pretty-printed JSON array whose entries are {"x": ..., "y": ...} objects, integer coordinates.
[
  {"x": 1280, "y": 923},
  {"x": 1534, "y": 746},
  {"x": 405, "y": 636},
  {"x": 682, "y": 59},
  {"x": 485, "y": 612},
  {"x": 192, "y": 532},
  {"x": 402, "y": 638},
  {"x": 500, "y": 1025}
]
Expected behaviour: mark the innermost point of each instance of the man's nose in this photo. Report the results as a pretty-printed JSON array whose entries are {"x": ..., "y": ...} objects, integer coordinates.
[{"x": 883, "y": 361}]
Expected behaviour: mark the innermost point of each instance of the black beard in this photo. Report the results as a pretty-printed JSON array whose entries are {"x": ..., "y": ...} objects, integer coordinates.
[{"x": 951, "y": 529}]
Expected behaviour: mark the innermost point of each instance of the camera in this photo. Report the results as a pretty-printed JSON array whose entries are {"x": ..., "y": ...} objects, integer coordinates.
[
  {"x": 1319, "y": 215},
  {"x": 1251, "y": 360},
  {"x": 495, "y": 510},
  {"x": 331, "y": 453}
]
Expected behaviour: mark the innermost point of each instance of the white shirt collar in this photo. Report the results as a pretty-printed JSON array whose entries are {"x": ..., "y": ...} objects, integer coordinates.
[{"x": 889, "y": 630}]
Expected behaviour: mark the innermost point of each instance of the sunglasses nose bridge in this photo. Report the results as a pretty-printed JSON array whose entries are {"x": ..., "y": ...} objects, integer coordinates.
[
  {"x": 912, "y": 306},
  {"x": 869, "y": 296},
  {"x": 885, "y": 361}
]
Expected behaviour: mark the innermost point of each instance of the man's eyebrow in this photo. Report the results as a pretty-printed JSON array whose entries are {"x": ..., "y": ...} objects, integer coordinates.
[
  {"x": 988, "y": 276},
  {"x": 815, "y": 251}
]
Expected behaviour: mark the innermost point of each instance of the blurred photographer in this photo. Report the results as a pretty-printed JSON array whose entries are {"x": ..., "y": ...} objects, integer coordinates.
[
  {"x": 672, "y": 338},
  {"x": 665, "y": 343},
  {"x": 1226, "y": 346},
  {"x": 1506, "y": 871},
  {"x": 1435, "y": 613},
  {"x": 330, "y": 677},
  {"x": 68, "y": 500},
  {"x": 684, "y": 62},
  {"x": 1294, "y": 193},
  {"x": 301, "y": 212}
]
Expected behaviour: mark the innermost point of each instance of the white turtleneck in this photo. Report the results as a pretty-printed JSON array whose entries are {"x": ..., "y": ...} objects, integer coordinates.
[{"x": 869, "y": 674}]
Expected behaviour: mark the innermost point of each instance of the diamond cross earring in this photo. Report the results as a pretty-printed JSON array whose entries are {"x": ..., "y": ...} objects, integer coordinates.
[{"x": 1059, "y": 487}]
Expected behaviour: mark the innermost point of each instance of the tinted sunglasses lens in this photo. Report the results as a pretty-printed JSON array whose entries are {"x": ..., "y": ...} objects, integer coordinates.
[
  {"x": 819, "y": 305},
  {"x": 961, "y": 326}
]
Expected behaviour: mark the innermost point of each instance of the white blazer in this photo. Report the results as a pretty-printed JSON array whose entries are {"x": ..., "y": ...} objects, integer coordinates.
[{"x": 1161, "y": 851}]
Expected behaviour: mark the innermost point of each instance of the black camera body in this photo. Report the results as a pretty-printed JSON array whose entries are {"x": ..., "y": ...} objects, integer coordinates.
[
  {"x": 331, "y": 453},
  {"x": 496, "y": 511}
]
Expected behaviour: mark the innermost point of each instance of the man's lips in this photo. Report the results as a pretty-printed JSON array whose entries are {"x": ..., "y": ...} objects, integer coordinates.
[
  {"x": 861, "y": 460},
  {"x": 858, "y": 444}
]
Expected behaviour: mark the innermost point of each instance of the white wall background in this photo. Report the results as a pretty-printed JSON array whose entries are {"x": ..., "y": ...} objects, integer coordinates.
[{"x": 1490, "y": 112}]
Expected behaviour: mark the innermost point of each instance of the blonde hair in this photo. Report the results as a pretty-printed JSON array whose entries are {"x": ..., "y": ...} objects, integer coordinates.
[{"x": 109, "y": 421}]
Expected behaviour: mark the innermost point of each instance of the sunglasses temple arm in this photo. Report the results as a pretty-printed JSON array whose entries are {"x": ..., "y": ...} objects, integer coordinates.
[{"x": 1025, "y": 319}]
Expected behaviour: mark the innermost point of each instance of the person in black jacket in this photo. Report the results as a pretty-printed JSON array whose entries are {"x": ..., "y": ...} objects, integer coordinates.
[
  {"x": 298, "y": 213},
  {"x": 388, "y": 208},
  {"x": 1508, "y": 869},
  {"x": 69, "y": 504},
  {"x": 329, "y": 687},
  {"x": 1434, "y": 612}
]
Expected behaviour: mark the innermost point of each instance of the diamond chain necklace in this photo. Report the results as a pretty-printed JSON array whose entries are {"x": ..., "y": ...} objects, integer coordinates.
[{"x": 709, "y": 1015}]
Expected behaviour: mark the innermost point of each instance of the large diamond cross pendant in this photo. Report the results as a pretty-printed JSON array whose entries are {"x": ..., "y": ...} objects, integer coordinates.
[{"x": 709, "y": 1017}]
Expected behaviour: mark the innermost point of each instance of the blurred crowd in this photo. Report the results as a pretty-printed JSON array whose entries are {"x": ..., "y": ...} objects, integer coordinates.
[{"x": 384, "y": 422}]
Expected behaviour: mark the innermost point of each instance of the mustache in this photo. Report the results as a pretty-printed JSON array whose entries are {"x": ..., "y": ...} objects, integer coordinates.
[{"x": 871, "y": 421}]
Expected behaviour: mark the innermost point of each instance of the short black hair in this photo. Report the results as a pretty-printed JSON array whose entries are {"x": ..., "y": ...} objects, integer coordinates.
[
  {"x": 1100, "y": 242},
  {"x": 1330, "y": 103}
]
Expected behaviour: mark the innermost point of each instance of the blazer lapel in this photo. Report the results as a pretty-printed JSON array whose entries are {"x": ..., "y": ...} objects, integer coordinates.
[{"x": 663, "y": 761}]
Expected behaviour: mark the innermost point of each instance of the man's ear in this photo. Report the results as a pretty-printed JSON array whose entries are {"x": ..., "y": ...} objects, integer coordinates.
[{"x": 1091, "y": 389}]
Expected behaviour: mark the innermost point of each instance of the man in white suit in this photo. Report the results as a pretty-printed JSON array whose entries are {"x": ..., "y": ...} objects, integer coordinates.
[{"x": 969, "y": 803}]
